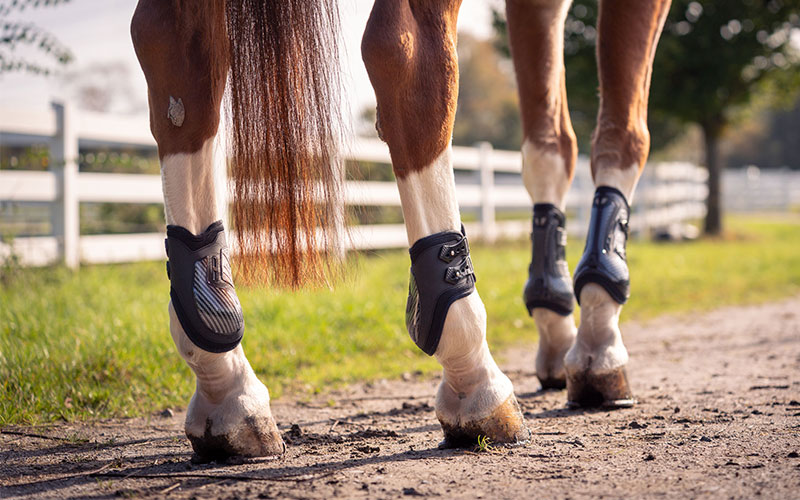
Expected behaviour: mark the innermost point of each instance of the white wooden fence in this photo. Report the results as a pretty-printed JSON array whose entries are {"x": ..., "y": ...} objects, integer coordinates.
[
  {"x": 488, "y": 181},
  {"x": 751, "y": 189}
]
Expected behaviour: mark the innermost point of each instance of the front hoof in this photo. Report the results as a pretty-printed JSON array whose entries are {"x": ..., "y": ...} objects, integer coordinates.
[
  {"x": 592, "y": 390},
  {"x": 505, "y": 425},
  {"x": 552, "y": 383}
]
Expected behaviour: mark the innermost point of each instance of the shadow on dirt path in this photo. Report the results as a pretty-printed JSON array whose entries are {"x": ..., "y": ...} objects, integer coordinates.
[{"x": 718, "y": 416}]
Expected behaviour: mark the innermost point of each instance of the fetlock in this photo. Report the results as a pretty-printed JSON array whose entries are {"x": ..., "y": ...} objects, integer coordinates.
[
  {"x": 556, "y": 336},
  {"x": 595, "y": 364}
]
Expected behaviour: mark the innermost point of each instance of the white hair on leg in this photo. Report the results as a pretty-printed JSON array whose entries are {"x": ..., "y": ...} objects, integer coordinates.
[
  {"x": 230, "y": 401},
  {"x": 429, "y": 199},
  {"x": 545, "y": 175},
  {"x": 473, "y": 387},
  {"x": 546, "y": 179},
  {"x": 624, "y": 179},
  {"x": 599, "y": 343},
  {"x": 191, "y": 194}
]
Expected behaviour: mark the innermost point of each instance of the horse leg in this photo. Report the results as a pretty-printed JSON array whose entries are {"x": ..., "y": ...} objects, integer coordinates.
[
  {"x": 183, "y": 53},
  {"x": 549, "y": 150},
  {"x": 628, "y": 35},
  {"x": 409, "y": 51}
]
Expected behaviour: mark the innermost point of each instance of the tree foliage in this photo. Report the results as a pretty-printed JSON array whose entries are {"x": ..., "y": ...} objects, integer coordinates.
[
  {"x": 19, "y": 36},
  {"x": 488, "y": 105}
]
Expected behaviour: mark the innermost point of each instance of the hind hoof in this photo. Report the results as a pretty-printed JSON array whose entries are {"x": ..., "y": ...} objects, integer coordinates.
[
  {"x": 604, "y": 390},
  {"x": 505, "y": 426},
  {"x": 253, "y": 437},
  {"x": 552, "y": 383},
  {"x": 241, "y": 425}
]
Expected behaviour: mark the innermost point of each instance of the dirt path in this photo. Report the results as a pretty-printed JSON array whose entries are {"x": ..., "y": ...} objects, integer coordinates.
[{"x": 719, "y": 416}]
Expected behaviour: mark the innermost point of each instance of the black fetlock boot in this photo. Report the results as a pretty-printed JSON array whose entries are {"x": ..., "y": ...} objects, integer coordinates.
[
  {"x": 549, "y": 284},
  {"x": 604, "y": 259}
]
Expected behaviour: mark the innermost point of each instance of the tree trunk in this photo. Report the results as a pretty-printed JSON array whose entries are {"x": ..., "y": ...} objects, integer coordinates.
[{"x": 711, "y": 133}]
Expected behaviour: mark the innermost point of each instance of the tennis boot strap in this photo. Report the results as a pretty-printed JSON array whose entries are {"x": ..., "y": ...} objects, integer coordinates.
[
  {"x": 604, "y": 259},
  {"x": 201, "y": 288},
  {"x": 441, "y": 273},
  {"x": 549, "y": 284}
]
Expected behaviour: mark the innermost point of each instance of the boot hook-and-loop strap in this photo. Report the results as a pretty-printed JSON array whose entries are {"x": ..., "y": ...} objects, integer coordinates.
[
  {"x": 441, "y": 273},
  {"x": 201, "y": 287}
]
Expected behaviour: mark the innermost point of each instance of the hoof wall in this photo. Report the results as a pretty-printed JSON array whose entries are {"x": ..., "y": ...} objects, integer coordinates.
[
  {"x": 551, "y": 383},
  {"x": 505, "y": 426},
  {"x": 255, "y": 437},
  {"x": 607, "y": 390}
]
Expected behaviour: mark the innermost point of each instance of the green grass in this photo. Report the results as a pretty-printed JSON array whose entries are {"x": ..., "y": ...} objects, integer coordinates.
[{"x": 96, "y": 343}]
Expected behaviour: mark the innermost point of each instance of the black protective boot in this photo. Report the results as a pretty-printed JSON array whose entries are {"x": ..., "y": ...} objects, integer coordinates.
[
  {"x": 549, "y": 284},
  {"x": 604, "y": 259},
  {"x": 441, "y": 273},
  {"x": 201, "y": 288}
]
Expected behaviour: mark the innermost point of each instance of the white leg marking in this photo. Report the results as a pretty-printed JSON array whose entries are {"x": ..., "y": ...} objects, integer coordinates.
[
  {"x": 624, "y": 179},
  {"x": 556, "y": 335},
  {"x": 221, "y": 379},
  {"x": 547, "y": 181},
  {"x": 191, "y": 195},
  {"x": 473, "y": 385},
  {"x": 228, "y": 391},
  {"x": 599, "y": 343},
  {"x": 544, "y": 175},
  {"x": 429, "y": 199}
]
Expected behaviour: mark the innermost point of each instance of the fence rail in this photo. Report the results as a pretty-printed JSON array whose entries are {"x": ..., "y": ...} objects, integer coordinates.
[{"x": 488, "y": 181}]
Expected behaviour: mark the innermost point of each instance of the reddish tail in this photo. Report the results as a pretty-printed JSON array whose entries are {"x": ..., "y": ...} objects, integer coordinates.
[{"x": 284, "y": 123}]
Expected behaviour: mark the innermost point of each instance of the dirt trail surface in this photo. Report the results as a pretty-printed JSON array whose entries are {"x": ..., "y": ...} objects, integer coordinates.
[{"x": 718, "y": 417}]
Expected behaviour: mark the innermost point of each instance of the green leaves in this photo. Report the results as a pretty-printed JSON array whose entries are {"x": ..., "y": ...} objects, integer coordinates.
[{"x": 16, "y": 35}]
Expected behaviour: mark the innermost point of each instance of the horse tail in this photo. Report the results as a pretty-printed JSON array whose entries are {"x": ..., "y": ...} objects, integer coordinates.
[{"x": 284, "y": 129}]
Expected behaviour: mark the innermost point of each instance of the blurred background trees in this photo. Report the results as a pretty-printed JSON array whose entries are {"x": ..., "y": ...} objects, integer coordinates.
[
  {"x": 717, "y": 63},
  {"x": 24, "y": 46}
]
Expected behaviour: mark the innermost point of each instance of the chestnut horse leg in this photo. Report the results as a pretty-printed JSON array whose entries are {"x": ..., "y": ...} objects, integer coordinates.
[
  {"x": 549, "y": 150},
  {"x": 183, "y": 53},
  {"x": 628, "y": 35},
  {"x": 409, "y": 51}
]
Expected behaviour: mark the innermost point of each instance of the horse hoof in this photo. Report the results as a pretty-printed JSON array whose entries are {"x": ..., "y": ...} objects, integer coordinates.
[
  {"x": 605, "y": 390},
  {"x": 552, "y": 383},
  {"x": 240, "y": 426},
  {"x": 504, "y": 426},
  {"x": 253, "y": 437}
]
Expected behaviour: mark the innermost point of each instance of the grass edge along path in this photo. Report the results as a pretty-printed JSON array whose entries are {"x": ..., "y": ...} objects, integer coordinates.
[{"x": 96, "y": 344}]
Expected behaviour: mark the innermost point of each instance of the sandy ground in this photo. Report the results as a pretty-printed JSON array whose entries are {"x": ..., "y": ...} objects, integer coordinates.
[{"x": 719, "y": 417}]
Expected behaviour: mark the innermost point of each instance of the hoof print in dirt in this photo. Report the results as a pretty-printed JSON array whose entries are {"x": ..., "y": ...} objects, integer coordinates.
[
  {"x": 505, "y": 426},
  {"x": 257, "y": 437},
  {"x": 606, "y": 390}
]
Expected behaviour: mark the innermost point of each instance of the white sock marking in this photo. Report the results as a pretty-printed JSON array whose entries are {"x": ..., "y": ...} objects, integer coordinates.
[{"x": 475, "y": 384}]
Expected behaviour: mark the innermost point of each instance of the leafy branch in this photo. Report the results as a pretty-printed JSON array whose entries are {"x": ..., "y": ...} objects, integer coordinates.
[{"x": 17, "y": 34}]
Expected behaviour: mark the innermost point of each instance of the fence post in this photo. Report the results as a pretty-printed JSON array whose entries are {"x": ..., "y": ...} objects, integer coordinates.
[
  {"x": 488, "y": 226},
  {"x": 64, "y": 163}
]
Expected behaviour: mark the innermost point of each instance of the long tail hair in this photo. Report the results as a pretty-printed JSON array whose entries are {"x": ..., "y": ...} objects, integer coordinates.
[{"x": 284, "y": 127}]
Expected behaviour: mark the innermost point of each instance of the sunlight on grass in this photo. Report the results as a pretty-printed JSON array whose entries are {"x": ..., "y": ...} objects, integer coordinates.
[{"x": 96, "y": 343}]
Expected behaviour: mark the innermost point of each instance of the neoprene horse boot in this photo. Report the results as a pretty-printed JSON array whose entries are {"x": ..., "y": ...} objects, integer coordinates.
[
  {"x": 442, "y": 274},
  {"x": 601, "y": 379},
  {"x": 549, "y": 286}
]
